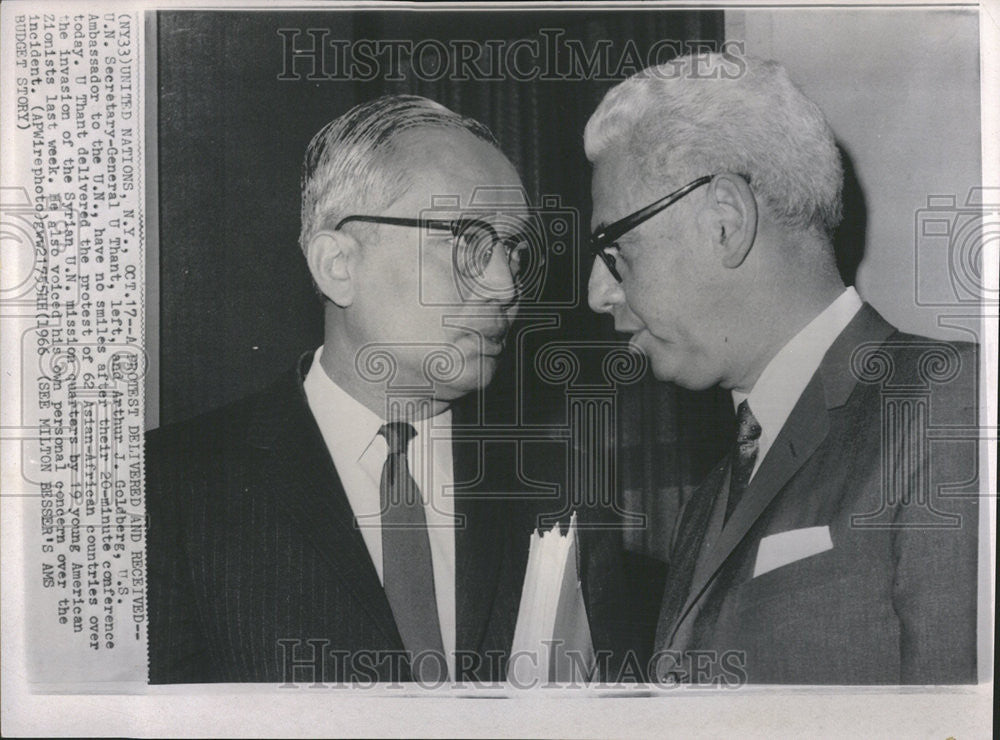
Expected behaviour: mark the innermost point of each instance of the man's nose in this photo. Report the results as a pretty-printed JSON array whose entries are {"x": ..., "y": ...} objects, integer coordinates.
[
  {"x": 498, "y": 280},
  {"x": 603, "y": 291}
]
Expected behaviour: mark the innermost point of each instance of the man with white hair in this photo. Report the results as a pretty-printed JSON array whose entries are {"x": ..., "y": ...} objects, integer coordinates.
[
  {"x": 834, "y": 544},
  {"x": 335, "y": 527}
]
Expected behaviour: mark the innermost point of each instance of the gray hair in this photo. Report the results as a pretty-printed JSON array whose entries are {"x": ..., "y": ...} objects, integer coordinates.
[
  {"x": 674, "y": 118},
  {"x": 352, "y": 166}
]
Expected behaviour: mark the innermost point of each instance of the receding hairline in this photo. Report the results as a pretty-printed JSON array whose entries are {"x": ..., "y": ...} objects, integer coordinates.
[
  {"x": 353, "y": 161},
  {"x": 406, "y": 159}
]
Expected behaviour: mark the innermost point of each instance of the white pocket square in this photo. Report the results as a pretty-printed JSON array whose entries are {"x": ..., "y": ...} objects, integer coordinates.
[{"x": 787, "y": 547}]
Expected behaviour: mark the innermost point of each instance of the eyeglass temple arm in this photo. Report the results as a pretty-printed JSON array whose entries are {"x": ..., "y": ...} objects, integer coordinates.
[
  {"x": 602, "y": 239},
  {"x": 390, "y": 220},
  {"x": 453, "y": 225}
]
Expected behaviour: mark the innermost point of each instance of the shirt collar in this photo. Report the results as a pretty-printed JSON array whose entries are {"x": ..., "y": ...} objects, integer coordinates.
[
  {"x": 786, "y": 376},
  {"x": 346, "y": 423}
]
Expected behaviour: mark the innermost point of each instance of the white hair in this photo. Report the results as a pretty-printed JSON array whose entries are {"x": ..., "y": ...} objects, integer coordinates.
[
  {"x": 676, "y": 122},
  {"x": 352, "y": 166}
]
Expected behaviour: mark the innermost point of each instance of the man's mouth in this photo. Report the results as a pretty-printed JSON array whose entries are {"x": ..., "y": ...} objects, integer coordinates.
[
  {"x": 633, "y": 341},
  {"x": 490, "y": 342}
]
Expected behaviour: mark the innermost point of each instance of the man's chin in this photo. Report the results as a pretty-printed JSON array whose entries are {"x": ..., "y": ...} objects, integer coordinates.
[
  {"x": 667, "y": 364},
  {"x": 657, "y": 354},
  {"x": 477, "y": 374},
  {"x": 663, "y": 374},
  {"x": 682, "y": 376}
]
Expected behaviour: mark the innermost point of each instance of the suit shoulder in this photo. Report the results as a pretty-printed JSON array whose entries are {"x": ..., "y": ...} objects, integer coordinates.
[
  {"x": 230, "y": 434},
  {"x": 928, "y": 361},
  {"x": 940, "y": 373},
  {"x": 212, "y": 429},
  {"x": 184, "y": 459},
  {"x": 904, "y": 340}
]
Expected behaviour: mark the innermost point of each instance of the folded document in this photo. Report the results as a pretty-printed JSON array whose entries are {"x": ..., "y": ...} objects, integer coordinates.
[{"x": 552, "y": 637}]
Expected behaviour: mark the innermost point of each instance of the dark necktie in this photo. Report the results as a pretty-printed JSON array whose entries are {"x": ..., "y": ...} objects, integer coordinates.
[
  {"x": 407, "y": 573},
  {"x": 744, "y": 455}
]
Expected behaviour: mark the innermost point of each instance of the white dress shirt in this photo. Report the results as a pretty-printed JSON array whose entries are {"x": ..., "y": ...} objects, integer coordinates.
[
  {"x": 351, "y": 433},
  {"x": 786, "y": 376}
]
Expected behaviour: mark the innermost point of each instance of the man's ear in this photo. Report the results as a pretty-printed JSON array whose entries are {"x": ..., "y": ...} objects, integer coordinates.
[
  {"x": 330, "y": 256},
  {"x": 731, "y": 218}
]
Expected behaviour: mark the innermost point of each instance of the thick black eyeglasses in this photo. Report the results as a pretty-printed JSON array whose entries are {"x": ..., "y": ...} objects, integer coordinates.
[
  {"x": 604, "y": 239},
  {"x": 474, "y": 242}
]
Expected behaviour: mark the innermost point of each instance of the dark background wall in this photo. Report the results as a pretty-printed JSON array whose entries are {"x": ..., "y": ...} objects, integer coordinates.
[{"x": 236, "y": 305}]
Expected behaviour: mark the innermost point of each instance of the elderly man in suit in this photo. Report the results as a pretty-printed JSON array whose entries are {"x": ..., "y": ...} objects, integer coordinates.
[
  {"x": 344, "y": 524},
  {"x": 834, "y": 544}
]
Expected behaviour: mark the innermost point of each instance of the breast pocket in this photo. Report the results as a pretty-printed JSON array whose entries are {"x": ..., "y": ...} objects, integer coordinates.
[{"x": 824, "y": 570}]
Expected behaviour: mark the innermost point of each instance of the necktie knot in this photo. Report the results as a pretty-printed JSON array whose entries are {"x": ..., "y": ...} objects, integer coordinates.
[
  {"x": 398, "y": 435},
  {"x": 748, "y": 426}
]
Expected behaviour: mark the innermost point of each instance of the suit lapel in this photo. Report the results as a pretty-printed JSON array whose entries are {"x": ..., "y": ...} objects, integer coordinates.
[
  {"x": 804, "y": 431},
  {"x": 307, "y": 486},
  {"x": 478, "y": 532},
  {"x": 685, "y": 549}
]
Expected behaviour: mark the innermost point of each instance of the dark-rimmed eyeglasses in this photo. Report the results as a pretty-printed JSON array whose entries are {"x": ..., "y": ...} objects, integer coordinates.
[
  {"x": 474, "y": 242},
  {"x": 604, "y": 239}
]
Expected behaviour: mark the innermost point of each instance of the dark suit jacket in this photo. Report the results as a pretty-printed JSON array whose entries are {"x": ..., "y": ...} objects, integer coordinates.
[
  {"x": 880, "y": 449},
  {"x": 255, "y": 565}
]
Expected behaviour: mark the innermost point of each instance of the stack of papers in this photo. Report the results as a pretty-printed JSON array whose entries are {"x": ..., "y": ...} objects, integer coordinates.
[{"x": 552, "y": 640}]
